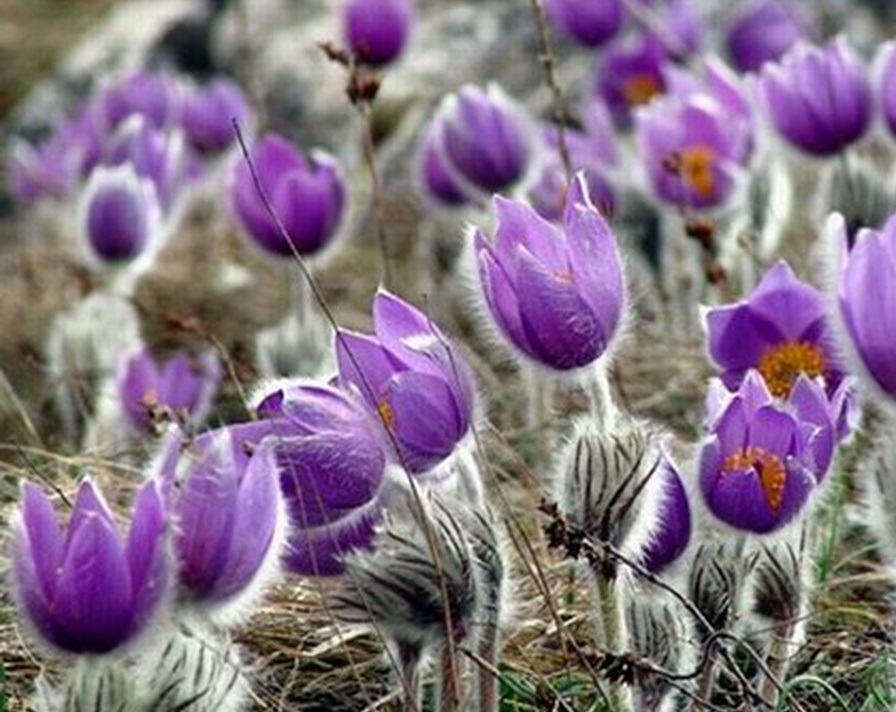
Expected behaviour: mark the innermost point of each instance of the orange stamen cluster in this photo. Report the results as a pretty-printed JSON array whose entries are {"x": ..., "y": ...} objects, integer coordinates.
[
  {"x": 696, "y": 168},
  {"x": 641, "y": 89},
  {"x": 781, "y": 365},
  {"x": 771, "y": 471},
  {"x": 387, "y": 414}
]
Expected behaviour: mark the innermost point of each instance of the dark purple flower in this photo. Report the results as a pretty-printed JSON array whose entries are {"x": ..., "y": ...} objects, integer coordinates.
[
  {"x": 308, "y": 196},
  {"x": 764, "y": 31},
  {"x": 486, "y": 140},
  {"x": 87, "y": 591},
  {"x": 435, "y": 178},
  {"x": 209, "y": 113},
  {"x": 557, "y": 295},
  {"x": 415, "y": 381},
  {"x": 229, "y": 513},
  {"x": 589, "y": 22},
  {"x": 671, "y": 533},
  {"x": 866, "y": 297},
  {"x": 332, "y": 468},
  {"x": 377, "y": 30},
  {"x": 781, "y": 330},
  {"x": 885, "y": 74},
  {"x": 629, "y": 77},
  {"x": 119, "y": 214},
  {"x": 818, "y": 98},
  {"x": 757, "y": 466},
  {"x": 156, "y": 97},
  {"x": 183, "y": 384}
]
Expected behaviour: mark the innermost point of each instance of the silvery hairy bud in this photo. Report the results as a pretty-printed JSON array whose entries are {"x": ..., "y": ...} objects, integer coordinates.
[{"x": 94, "y": 684}]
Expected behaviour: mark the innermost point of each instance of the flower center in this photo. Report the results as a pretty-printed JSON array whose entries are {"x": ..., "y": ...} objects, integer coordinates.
[
  {"x": 641, "y": 88},
  {"x": 781, "y": 365},
  {"x": 767, "y": 466},
  {"x": 696, "y": 166},
  {"x": 386, "y": 413}
]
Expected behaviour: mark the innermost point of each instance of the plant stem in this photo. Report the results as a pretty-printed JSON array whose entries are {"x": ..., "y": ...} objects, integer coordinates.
[
  {"x": 450, "y": 687},
  {"x": 409, "y": 663},
  {"x": 778, "y": 661},
  {"x": 488, "y": 684},
  {"x": 611, "y": 633},
  {"x": 541, "y": 392}
]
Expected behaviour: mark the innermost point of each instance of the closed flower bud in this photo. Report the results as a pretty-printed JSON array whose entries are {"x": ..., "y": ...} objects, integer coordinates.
[
  {"x": 715, "y": 585},
  {"x": 155, "y": 97},
  {"x": 556, "y": 294},
  {"x": 670, "y": 534},
  {"x": 818, "y": 98},
  {"x": 209, "y": 113},
  {"x": 89, "y": 591},
  {"x": 764, "y": 31},
  {"x": 377, "y": 30},
  {"x": 308, "y": 196},
  {"x": 885, "y": 85},
  {"x": 588, "y": 22}
]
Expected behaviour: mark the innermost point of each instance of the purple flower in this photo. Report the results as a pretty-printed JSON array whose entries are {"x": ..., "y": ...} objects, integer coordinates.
[
  {"x": 377, "y": 30},
  {"x": 818, "y": 98},
  {"x": 156, "y": 97},
  {"x": 672, "y": 531},
  {"x": 485, "y": 140},
  {"x": 435, "y": 178},
  {"x": 416, "y": 382},
  {"x": 183, "y": 384},
  {"x": 557, "y": 295},
  {"x": 866, "y": 300},
  {"x": 332, "y": 468},
  {"x": 308, "y": 196},
  {"x": 683, "y": 27},
  {"x": 35, "y": 172},
  {"x": 88, "y": 591},
  {"x": 225, "y": 496},
  {"x": 588, "y": 22},
  {"x": 629, "y": 77},
  {"x": 885, "y": 74},
  {"x": 781, "y": 330},
  {"x": 757, "y": 465},
  {"x": 764, "y": 31},
  {"x": 119, "y": 214},
  {"x": 209, "y": 113}
]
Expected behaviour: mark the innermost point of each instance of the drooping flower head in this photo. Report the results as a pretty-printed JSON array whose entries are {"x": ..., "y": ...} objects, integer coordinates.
[
  {"x": 764, "y": 31},
  {"x": 866, "y": 300},
  {"x": 629, "y": 77},
  {"x": 182, "y": 384},
  {"x": 485, "y": 141},
  {"x": 556, "y": 294},
  {"x": 757, "y": 465},
  {"x": 87, "y": 590},
  {"x": 332, "y": 468},
  {"x": 818, "y": 98},
  {"x": 308, "y": 196},
  {"x": 781, "y": 330},
  {"x": 224, "y": 493},
  {"x": 209, "y": 113},
  {"x": 671, "y": 532},
  {"x": 588, "y": 22},
  {"x": 410, "y": 376},
  {"x": 377, "y": 30}
]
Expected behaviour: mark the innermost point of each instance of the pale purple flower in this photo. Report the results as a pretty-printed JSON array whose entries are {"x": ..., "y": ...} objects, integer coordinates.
[
  {"x": 435, "y": 178},
  {"x": 377, "y": 31},
  {"x": 629, "y": 77},
  {"x": 209, "y": 113},
  {"x": 764, "y": 31},
  {"x": 156, "y": 97},
  {"x": 885, "y": 84}
]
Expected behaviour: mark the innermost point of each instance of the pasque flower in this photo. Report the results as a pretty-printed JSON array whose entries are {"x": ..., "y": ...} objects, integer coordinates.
[
  {"x": 88, "y": 591},
  {"x": 377, "y": 30},
  {"x": 435, "y": 177},
  {"x": 757, "y": 467},
  {"x": 556, "y": 294},
  {"x": 629, "y": 76},
  {"x": 671, "y": 532},
  {"x": 209, "y": 113},
  {"x": 413, "y": 379},
  {"x": 818, "y": 98},
  {"x": 183, "y": 384},
  {"x": 119, "y": 215},
  {"x": 885, "y": 74},
  {"x": 332, "y": 467},
  {"x": 764, "y": 31},
  {"x": 866, "y": 300},
  {"x": 588, "y": 22},
  {"x": 485, "y": 140},
  {"x": 308, "y": 196},
  {"x": 156, "y": 97}
]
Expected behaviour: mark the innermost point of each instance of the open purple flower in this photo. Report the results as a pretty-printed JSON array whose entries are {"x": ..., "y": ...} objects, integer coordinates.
[
  {"x": 885, "y": 74},
  {"x": 629, "y": 77},
  {"x": 589, "y": 23},
  {"x": 866, "y": 300},
  {"x": 209, "y": 113},
  {"x": 485, "y": 140},
  {"x": 120, "y": 215},
  {"x": 781, "y": 330},
  {"x": 156, "y": 97},
  {"x": 183, "y": 384},
  {"x": 308, "y": 196},
  {"x": 87, "y": 591},
  {"x": 413, "y": 379},
  {"x": 332, "y": 468},
  {"x": 764, "y": 31},
  {"x": 377, "y": 30},
  {"x": 556, "y": 294},
  {"x": 671, "y": 533},
  {"x": 224, "y": 493},
  {"x": 818, "y": 98},
  {"x": 756, "y": 467}
]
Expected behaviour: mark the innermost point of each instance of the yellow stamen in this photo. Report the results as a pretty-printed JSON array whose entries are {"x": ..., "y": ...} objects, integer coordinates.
[
  {"x": 696, "y": 166},
  {"x": 386, "y": 413},
  {"x": 781, "y": 365},
  {"x": 772, "y": 475},
  {"x": 641, "y": 89}
]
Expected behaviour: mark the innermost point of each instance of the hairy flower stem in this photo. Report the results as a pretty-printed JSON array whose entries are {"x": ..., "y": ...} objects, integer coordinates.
[
  {"x": 541, "y": 396},
  {"x": 603, "y": 407},
  {"x": 778, "y": 662},
  {"x": 409, "y": 663},
  {"x": 611, "y": 633},
  {"x": 377, "y": 188},
  {"x": 488, "y": 686},
  {"x": 706, "y": 680},
  {"x": 450, "y": 688}
]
